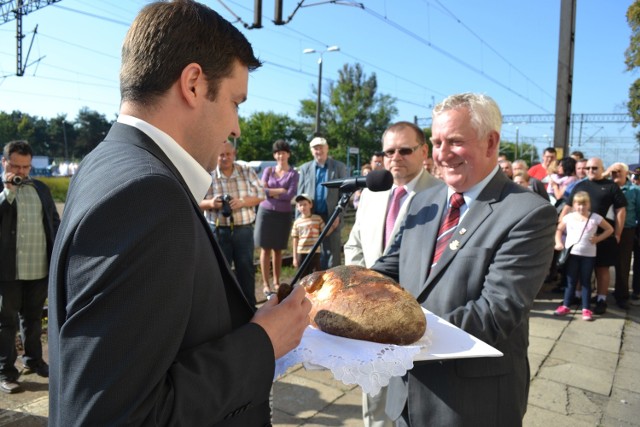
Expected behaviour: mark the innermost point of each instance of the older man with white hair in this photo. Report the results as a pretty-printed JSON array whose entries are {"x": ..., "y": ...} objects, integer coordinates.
[{"x": 312, "y": 174}]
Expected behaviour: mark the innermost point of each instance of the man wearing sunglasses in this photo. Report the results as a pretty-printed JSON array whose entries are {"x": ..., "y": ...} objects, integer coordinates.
[
  {"x": 604, "y": 195},
  {"x": 379, "y": 216}
]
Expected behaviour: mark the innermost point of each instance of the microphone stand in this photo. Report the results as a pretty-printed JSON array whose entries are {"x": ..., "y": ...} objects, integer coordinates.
[{"x": 344, "y": 199}]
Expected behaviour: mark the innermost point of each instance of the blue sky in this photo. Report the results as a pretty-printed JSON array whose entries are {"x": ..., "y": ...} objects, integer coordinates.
[{"x": 420, "y": 51}]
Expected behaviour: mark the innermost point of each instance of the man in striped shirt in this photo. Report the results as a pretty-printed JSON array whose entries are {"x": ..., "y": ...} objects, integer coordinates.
[{"x": 229, "y": 207}]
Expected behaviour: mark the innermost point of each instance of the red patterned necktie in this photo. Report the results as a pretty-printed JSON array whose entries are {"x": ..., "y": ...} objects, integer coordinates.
[
  {"x": 392, "y": 215},
  {"x": 448, "y": 226}
]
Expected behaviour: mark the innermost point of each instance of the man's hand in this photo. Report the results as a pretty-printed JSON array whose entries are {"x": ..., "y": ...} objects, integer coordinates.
[
  {"x": 8, "y": 177},
  {"x": 285, "y": 322}
]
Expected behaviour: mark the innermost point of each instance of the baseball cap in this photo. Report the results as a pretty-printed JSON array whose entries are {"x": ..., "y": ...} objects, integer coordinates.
[
  {"x": 303, "y": 196},
  {"x": 317, "y": 141}
]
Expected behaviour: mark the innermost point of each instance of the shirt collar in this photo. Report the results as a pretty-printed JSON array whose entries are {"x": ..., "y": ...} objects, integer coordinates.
[
  {"x": 197, "y": 178},
  {"x": 473, "y": 193},
  {"x": 411, "y": 185}
]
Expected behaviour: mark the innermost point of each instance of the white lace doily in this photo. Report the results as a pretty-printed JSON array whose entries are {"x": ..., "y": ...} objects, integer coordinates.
[{"x": 367, "y": 364}]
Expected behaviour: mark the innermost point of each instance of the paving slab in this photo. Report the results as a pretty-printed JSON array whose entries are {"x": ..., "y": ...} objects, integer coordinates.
[
  {"x": 629, "y": 359},
  {"x": 575, "y": 375},
  {"x": 549, "y": 395},
  {"x": 587, "y": 337},
  {"x": 346, "y": 411},
  {"x": 586, "y": 356},
  {"x": 535, "y": 362},
  {"x": 540, "y": 345},
  {"x": 546, "y": 327},
  {"x": 624, "y": 406},
  {"x": 539, "y": 417},
  {"x": 302, "y": 397}
]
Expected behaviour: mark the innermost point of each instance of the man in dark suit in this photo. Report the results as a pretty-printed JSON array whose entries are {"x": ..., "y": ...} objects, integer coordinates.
[
  {"x": 147, "y": 324},
  {"x": 312, "y": 174},
  {"x": 491, "y": 266}
]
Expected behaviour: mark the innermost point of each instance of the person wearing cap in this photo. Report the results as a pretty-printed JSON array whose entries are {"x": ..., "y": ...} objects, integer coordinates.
[
  {"x": 312, "y": 175},
  {"x": 305, "y": 232}
]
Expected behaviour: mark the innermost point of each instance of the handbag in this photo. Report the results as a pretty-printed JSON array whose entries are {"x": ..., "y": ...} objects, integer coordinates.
[{"x": 566, "y": 251}]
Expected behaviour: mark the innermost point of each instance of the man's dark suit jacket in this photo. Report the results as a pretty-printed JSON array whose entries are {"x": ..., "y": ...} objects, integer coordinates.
[
  {"x": 484, "y": 283},
  {"x": 147, "y": 325},
  {"x": 9, "y": 224}
]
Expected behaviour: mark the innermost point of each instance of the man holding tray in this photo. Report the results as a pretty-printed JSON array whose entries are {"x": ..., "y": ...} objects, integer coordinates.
[{"x": 474, "y": 253}]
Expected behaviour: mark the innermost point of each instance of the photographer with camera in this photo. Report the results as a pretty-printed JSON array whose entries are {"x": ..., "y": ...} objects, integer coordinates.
[
  {"x": 28, "y": 225},
  {"x": 229, "y": 207}
]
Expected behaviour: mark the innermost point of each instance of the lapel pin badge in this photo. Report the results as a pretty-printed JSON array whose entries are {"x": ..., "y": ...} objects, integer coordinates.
[
  {"x": 454, "y": 245},
  {"x": 463, "y": 230}
]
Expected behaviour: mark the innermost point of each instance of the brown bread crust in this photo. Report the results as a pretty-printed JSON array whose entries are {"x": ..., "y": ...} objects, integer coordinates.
[{"x": 355, "y": 302}]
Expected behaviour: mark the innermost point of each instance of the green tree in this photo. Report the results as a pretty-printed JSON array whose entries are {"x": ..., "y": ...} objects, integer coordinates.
[
  {"x": 90, "y": 128},
  {"x": 260, "y": 130},
  {"x": 356, "y": 114},
  {"x": 632, "y": 60}
]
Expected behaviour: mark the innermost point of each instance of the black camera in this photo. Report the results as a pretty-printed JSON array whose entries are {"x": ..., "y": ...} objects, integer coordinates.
[
  {"x": 16, "y": 180},
  {"x": 226, "y": 207}
]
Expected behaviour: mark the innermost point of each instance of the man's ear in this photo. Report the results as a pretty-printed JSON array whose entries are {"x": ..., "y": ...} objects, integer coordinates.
[
  {"x": 192, "y": 83},
  {"x": 493, "y": 143}
]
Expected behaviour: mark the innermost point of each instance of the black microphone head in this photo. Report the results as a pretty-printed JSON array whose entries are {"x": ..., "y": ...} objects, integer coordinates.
[{"x": 379, "y": 180}]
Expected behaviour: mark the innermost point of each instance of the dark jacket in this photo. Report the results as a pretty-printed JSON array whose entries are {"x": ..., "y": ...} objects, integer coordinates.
[
  {"x": 8, "y": 225},
  {"x": 147, "y": 324}
]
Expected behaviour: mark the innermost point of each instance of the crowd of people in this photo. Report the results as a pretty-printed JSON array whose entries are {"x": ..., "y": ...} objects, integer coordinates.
[{"x": 151, "y": 280}]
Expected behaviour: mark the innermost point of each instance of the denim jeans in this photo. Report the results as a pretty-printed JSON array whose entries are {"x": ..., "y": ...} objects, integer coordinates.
[
  {"x": 579, "y": 270},
  {"x": 23, "y": 299},
  {"x": 237, "y": 246}
]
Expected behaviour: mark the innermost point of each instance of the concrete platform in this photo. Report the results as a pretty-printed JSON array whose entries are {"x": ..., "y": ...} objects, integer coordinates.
[{"x": 583, "y": 374}]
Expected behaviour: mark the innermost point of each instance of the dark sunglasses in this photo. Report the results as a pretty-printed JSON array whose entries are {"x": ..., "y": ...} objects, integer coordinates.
[
  {"x": 401, "y": 151},
  {"x": 591, "y": 168}
]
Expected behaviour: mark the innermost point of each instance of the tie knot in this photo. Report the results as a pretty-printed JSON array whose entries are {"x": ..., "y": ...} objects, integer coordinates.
[
  {"x": 456, "y": 200},
  {"x": 399, "y": 192}
]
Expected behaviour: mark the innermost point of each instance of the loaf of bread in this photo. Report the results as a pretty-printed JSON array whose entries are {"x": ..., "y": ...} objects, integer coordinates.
[{"x": 355, "y": 302}]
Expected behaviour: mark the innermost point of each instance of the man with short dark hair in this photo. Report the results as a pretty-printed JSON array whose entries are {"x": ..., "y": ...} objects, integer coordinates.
[
  {"x": 29, "y": 221},
  {"x": 377, "y": 161},
  {"x": 541, "y": 170},
  {"x": 147, "y": 323}
]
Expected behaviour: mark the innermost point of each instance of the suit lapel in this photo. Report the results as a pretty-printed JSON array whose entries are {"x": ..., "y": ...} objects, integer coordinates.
[
  {"x": 480, "y": 210},
  {"x": 132, "y": 135},
  {"x": 376, "y": 217},
  {"x": 430, "y": 234}
]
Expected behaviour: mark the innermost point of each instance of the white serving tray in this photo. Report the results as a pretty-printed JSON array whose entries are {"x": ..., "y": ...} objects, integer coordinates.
[{"x": 442, "y": 340}]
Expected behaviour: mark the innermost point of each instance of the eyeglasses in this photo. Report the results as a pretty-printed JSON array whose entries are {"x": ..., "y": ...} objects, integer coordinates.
[
  {"x": 402, "y": 151},
  {"x": 18, "y": 167},
  {"x": 591, "y": 168}
]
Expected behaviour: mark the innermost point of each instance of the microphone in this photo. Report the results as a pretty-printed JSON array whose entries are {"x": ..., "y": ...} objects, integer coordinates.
[{"x": 378, "y": 180}]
